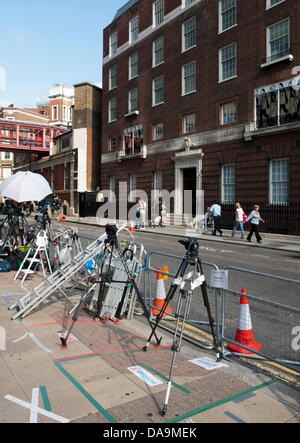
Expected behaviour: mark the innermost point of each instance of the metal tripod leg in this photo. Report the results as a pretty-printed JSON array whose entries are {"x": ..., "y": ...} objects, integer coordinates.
[
  {"x": 177, "y": 341},
  {"x": 139, "y": 296},
  {"x": 64, "y": 340},
  {"x": 210, "y": 317},
  {"x": 169, "y": 296}
]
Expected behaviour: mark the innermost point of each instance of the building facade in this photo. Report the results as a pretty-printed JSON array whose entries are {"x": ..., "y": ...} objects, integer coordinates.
[
  {"x": 61, "y": 100},
  {"x": 73, "y": 165},
  {"x": 201, "y": 95}
]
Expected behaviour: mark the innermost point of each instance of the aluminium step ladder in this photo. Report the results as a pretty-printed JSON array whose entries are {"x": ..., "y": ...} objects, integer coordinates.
[
  {"x": 40, "y": 293},
  {"x": 35, "y": 255}
]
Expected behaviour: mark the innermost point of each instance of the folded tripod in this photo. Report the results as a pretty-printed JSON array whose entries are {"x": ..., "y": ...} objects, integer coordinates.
[{"x": 186, "y": 282}]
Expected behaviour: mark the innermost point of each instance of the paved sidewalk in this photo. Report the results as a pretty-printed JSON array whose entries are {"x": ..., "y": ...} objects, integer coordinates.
[
  {"x": 105, "y": 376},
  {"x": 270, "y": 241},
  {"x": 91, "y": 380}
]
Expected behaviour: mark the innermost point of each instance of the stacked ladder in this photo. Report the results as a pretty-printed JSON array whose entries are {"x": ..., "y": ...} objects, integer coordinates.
[{"x": 40, "y": 293}]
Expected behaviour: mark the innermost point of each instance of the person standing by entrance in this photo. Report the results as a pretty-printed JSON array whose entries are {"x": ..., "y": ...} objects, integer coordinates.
[
  {"x": 216, "y": 213},
  {"x": 254, "y": 218},
  {"x": 142, "y": 208}
]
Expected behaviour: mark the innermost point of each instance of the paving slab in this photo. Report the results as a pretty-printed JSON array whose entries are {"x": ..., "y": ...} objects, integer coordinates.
[{"x": 90, "y": 380}]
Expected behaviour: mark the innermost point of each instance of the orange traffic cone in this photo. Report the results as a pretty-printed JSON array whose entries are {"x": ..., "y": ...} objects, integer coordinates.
[
  {"x": 62, "y": 218},
  {"x": 165, "y": 269},
  {"x": 131, "y": 226},
  {"x": 160, "y": 295},
  {"x": 244, "y": 333}
]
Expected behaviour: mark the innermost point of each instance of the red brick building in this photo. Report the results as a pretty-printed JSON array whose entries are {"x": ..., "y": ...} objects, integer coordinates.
[
  {"x": 204, "y": 95},
  {"x": 73, "y": 165}
]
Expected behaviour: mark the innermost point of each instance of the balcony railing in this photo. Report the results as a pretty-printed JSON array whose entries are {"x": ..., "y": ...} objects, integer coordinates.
[{"x": 139, "y": 151}]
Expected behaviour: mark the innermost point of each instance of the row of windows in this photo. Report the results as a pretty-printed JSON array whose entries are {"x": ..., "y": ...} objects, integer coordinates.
[
  {"x": 278, "y": 39},
  {"x": 278, "y": 182},
  {"x": 228, "y": 111},
  {"x": 227, "y": 115},
  {"x": 227, "y": 19},
  {"x": 278, "y": 46}
]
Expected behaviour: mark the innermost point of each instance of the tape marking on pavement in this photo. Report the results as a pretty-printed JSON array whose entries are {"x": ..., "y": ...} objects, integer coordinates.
[
  {"x": 34, "y": 409},
  {"x": 33, "y": 337}
]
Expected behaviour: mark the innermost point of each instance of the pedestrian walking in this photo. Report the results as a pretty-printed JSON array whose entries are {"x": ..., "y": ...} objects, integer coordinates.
[
  {"x": 239, "y": 220},
  {"x": 254, "y": 218},
  {"x": 216, "y": 213}
]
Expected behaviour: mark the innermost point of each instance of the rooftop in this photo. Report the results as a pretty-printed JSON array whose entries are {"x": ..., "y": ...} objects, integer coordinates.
[{"x": 124, "y": 8}]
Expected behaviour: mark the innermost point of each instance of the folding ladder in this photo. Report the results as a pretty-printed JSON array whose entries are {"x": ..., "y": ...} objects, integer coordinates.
[
  {"x": 40, "y": 293},
  {"x": 35, "y": 255}
]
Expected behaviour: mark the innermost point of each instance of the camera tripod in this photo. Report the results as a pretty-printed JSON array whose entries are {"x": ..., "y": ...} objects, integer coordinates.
[
  {"x": 110, "y": 243},
  {"x": 183, "y": 279}
]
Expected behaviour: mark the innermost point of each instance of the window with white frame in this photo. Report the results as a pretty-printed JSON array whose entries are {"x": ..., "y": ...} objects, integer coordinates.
[
  {"x": 158, "y": 131},
  {"x": 271, "y": 3},
  {"x": 133, "y": 139},
  {"x": 228, "y": 183},
  {"x": 112, "y": 143},
  {"x": 158, "y": 91},
  {"x": 113, "y": 44},
  {"x": 158, "y": 184},
  {"x": 133, "y": 65},
  {"x": 278, "y": 103},
  {"x": 6, "y": 156},
  {"x": 133, "y": 29},
  {"x": 228, "y": 113},
  {"x": 6, "y": 172},
  {"x": 158, "y": 51},
  {"x": 189, "y": 123},
  {"x": 112, "y": 110},
  {"x": 227, "y": 62},
  {"x": 278, "y": 40},
  {"x": 64, "y": 113},
  {"x": 227, "y": 14},
  {"x": 189, "y": 78},
  {"x": 186, "y": 3},
  {"x": 132, "y": 188},
  {"x": 113, "y": 77},
  {"x": 189, "y": 34},
  {"x": 158, "y": 12},
  {"x": 279, "y": 181},
  {"x": 55, "y": 112},
  {"x": 133, "y": 100}
]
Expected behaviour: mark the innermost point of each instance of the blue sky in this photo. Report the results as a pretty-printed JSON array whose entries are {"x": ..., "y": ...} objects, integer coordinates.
[{"x": 44, "y": 42}]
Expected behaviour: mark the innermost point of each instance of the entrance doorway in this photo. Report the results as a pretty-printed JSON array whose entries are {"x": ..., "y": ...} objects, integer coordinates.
[{"x": 190, "y": 184}]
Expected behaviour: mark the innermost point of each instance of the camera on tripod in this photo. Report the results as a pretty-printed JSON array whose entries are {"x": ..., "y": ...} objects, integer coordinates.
[
  {"x": 191, "y": 245},
  {"x": 111, "y": 232},
  {"x": 8, "y": 207}
]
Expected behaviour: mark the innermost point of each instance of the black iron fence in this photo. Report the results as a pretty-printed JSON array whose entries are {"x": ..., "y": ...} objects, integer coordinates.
[{"x": 279, "y": 219}]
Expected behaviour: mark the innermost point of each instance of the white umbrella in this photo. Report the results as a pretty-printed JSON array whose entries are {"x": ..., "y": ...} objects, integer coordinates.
[{"x": 25, "y": 186}]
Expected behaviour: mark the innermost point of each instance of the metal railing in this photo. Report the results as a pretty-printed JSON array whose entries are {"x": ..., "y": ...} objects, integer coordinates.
[
  {"x": 276, "y": 325},
  {"x": 279, "y": 218}
]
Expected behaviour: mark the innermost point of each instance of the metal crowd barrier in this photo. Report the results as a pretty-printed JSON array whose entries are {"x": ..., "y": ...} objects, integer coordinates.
[{"x": 275, "y": 324}]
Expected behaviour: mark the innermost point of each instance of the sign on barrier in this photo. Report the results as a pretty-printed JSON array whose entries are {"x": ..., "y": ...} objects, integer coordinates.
[{"x": 219, "y": 279}]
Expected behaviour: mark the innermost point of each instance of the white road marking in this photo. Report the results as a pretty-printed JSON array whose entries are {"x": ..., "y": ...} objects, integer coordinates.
[
  {"x": 34, "y": 409},
  {"x": 33, "y": 337}
]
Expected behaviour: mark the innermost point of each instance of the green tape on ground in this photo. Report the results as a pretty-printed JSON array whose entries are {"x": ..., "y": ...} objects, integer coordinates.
[
  {"x": 99, "y": 408},
  {"x": 181, "y": 388},
  {"x": 219, "y": 403},
  {"x": 45, "y": 398}
]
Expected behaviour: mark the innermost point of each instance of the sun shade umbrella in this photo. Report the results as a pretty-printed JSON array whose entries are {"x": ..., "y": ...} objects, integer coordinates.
[{"x": 25, "y": 186}]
